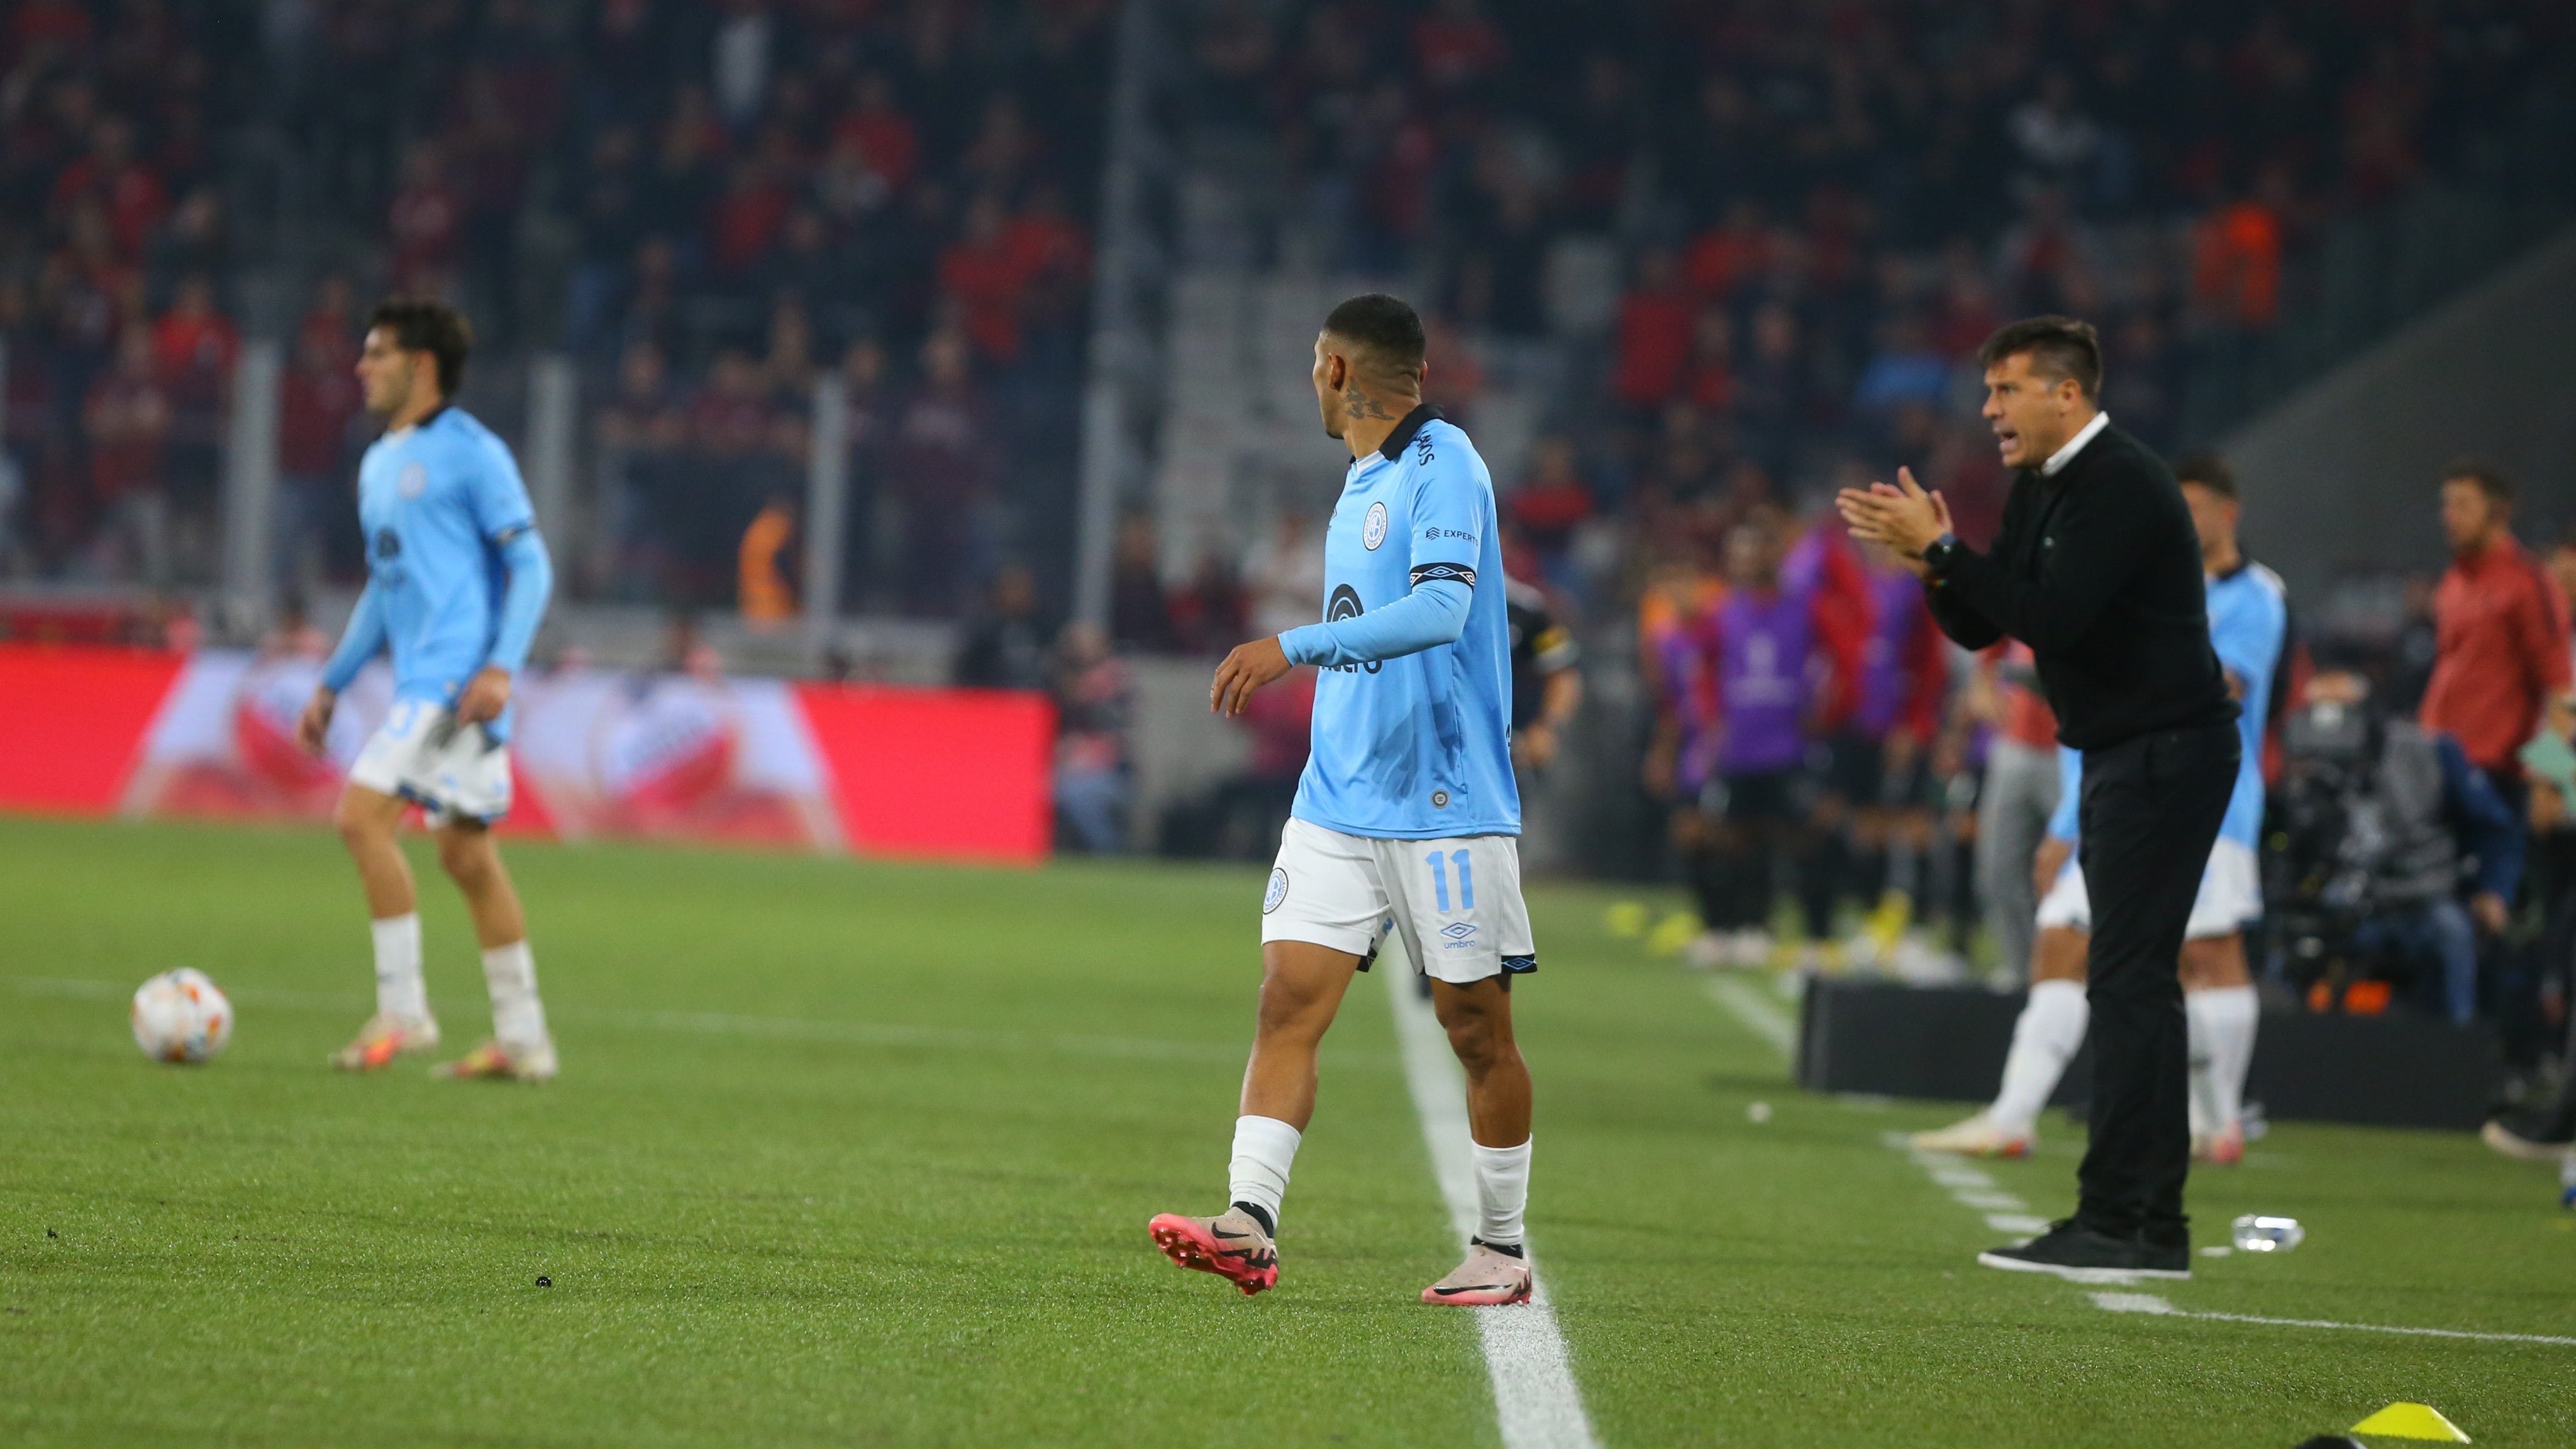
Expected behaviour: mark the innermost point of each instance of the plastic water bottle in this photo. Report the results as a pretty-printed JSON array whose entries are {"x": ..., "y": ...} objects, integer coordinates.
[
  {"x": 2258, "y": 1234},
  {"x": 2567, "y": 1180}
]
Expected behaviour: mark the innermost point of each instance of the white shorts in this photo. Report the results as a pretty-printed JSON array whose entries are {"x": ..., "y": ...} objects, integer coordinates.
[
  {"x": 419, "y": 754},
  {"x": 1456, "y": 903},
  {"x": 2230, "y": 899}
]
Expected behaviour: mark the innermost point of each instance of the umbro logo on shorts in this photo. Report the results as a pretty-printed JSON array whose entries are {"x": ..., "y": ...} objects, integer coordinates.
[
  {"x": 1278, "y": 891},
  {"x": 1460, "y": 933}
]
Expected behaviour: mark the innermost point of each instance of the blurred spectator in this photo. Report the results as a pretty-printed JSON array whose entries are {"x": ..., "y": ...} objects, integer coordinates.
[
  {"x": 129, "y": 417},
  {"x": 939, "y": 469},
  {"x": 1139, "y": 616},
  {"x": 318, "y": 406},
  {"x": 1551, "y": 502},
  {"x": 1005, "y": 645},
  {"x": 1283, "y": 578},
  {"x": 2429, "y": 814},
  {"x": 2002, "y": 697},
  {"x": 1094, "y": 699},
  {"x": 2503, "y": 641},
  {"x": 1208, "y": 611},
  {"x": 766, "y": 597},
  {"x": 1654, "y": 333}
]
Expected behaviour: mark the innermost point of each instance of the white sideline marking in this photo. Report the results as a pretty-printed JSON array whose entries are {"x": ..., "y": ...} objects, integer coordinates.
[
  {"x": 2150, "y": 1303},
  {"x": 1536, "y": 1399},
  {"x": 1761, "y": 1016},
  {"x": 1969, "y": 1186}
]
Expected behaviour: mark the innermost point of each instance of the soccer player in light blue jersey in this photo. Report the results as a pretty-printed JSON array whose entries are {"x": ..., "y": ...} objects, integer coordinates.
[
  {"x": 2249, "y": 629},
  {"x": 1407, "y": 818},
  {"x": 456, "y": 582}
]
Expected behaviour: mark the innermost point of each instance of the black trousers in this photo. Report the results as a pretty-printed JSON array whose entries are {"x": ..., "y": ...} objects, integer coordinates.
[{"x": 2149, "y": 812}]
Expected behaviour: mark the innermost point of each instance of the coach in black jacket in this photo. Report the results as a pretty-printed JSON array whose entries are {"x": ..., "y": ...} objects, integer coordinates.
[{"x": 2098, "y": 570}]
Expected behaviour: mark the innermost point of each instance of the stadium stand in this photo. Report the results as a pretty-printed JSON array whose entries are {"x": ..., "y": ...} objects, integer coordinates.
[{"x": 701, "y": 205}]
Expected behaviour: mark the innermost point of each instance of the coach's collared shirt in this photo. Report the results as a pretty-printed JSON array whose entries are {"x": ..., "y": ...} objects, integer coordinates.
[{"x": 2058, "y": 460}]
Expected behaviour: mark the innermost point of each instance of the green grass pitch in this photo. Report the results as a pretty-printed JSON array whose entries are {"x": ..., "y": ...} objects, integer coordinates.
[{"x": 856, "y": 1153}]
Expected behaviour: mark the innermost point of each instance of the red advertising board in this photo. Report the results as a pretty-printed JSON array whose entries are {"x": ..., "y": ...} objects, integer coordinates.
[{"x": 875, "y": 770}]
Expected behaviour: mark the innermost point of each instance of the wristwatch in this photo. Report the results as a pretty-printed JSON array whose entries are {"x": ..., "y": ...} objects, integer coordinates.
[{"x": 1939, "y": 554}]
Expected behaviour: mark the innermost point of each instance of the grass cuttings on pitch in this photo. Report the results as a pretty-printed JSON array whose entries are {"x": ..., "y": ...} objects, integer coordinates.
[{"x": 860, "y": 1153}]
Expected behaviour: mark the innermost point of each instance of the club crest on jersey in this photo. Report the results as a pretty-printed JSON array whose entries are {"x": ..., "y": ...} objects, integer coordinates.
[
  {"x": 1278, "y": 891},
  {"x": 1373, "y": 532},
  {"x": 412, "y": 481}
]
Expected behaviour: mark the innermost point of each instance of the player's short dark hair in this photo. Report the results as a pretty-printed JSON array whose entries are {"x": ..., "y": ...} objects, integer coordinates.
[
  {"x": 423, "y": 324},
  {"x": 2491, "y": 480},
  {"x": 2210, "y": 471},
  {"x": 2059, "y": 348},
  {"x": 1386, "y": 328}
]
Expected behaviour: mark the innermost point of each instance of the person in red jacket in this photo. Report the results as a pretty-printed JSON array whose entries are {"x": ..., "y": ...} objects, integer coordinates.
[{"x": 2501, "y": 656}]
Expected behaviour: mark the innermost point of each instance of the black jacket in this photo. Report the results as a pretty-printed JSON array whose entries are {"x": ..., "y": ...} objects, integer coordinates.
[{"x": 2098, "y": 571}]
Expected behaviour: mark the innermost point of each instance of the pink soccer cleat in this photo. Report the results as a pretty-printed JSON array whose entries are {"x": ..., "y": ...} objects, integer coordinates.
[
  {"x": 1231, "y": 1245},
  {"x": 1486, "y": 1277}
]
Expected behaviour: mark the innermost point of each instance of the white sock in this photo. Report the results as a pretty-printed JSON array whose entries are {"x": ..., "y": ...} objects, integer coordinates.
[
  {"x": 2200, "y": 1096},
  {"x": 1264, "y": 1147},
  {"x": 1502, "y": 1192},
  {"x": 2045, "y": 1039},
  {"x": 518, "y": 1017},
  {"x": 399, "y": 989},
  {"x": 2222, "y": 1033}
]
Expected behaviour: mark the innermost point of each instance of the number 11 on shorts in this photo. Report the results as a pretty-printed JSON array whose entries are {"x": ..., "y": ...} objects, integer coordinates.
[{"x": 1440, "y": 880}]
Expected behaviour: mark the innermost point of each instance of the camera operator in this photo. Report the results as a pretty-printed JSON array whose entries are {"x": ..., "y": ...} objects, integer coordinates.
[{"x": 2407, "y": 812}]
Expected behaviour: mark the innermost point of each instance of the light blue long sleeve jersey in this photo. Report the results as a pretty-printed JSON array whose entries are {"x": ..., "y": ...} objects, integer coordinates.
[
  {"x": 2249, "y": 626},
  {"x": 457, "y": 578},
  {"x": 1412, "y": 733}
]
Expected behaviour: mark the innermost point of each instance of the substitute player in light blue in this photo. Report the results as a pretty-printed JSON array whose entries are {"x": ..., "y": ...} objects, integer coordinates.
[
  {"x": 2249, "y": 630},
  {"x": 1407, "y": 818},
  {"x": 457, "y": 580}
]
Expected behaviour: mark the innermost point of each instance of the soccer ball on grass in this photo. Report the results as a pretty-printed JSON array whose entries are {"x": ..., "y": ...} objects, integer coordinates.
[{"x": 180, "y": 1016}]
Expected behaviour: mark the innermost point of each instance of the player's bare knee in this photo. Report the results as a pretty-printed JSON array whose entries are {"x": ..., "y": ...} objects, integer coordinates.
[
  {"x": 466, "y": 855},
  {"x": 1291, "y": 1006},
  {"x": 360, "y": 824}
]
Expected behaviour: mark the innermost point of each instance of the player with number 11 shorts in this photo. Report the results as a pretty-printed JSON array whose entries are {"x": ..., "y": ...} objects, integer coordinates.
[{"x": 1407, "y": 818}]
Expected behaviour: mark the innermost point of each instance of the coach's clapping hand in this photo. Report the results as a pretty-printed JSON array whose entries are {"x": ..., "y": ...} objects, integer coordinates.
[
  {"x": 315, "y": 723},
  {"x": 1905, "y": 519},
  {"x": 485, "y": 696},
  {"x": 1248, "y": 668}
]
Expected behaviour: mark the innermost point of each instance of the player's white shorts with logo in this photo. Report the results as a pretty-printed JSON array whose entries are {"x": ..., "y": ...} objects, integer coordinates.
[
  {"x": 2230, "y": 898},
  {"x": 453, "y": 772},
  {"x": 1456, "y": 903}
]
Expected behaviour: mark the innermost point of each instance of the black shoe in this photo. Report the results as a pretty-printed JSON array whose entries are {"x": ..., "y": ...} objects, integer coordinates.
[{"x": 2070, "y": 1249}]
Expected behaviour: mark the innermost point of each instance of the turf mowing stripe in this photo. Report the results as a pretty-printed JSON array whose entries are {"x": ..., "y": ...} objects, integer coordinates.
[
  {"x": 860, "y": 1033},
  {"x": 1762, "y": 1017},
  {"x": 1536, "y": 1400},
  {"x": 2150, "y": 1304}
]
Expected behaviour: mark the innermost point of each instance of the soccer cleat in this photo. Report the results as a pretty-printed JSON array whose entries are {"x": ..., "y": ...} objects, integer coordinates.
[
  {"x": 2225, "y": 1148},
  {"x": 2532, "y": 1145},
  {"x": 497, "y": 1061},
  {"x": 1486, "y": 1277},
  {"x": 1975, "y": 1137},
  {"x": 2073, "y": 1251},
  {"x": 1231, "y": 1245},
  {"x": 384, "y": 1038}
]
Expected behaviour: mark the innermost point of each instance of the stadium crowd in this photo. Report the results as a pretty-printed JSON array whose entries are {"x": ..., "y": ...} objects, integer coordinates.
[
  {"x": 703, "y": 204},
  {"x": 1817, "y": 213}
]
